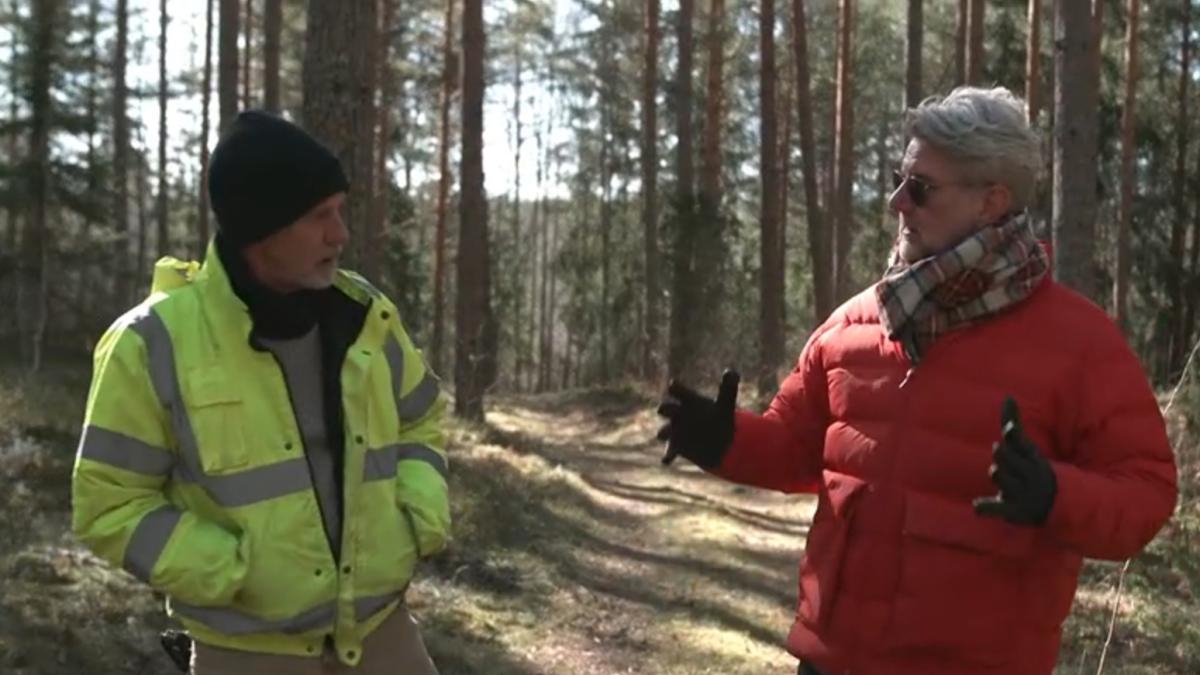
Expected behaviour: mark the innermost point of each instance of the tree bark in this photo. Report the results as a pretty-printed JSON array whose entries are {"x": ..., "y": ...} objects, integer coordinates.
[
  {"x": 709, "y": 251},
  {"x": 272, "y": 36},
  {"x": 1128, "y": 119},
  {"x": 960, "y": 43},
  {"x": 605, "y": 235},
  {"x": 518, "y": 142},
  {"x": 714, "y": 103},
  {"x": 141, "y": 179},
  {"x": 548, "y": 325},
  {"x": 83, "y": 298},
  {"x": 975, "y": 42},
  {"x": 339, "y": 104},
  {"x": 770, "y": 274},
  {"x": 164, "y": 235},
  {"x": 1075, "y": 96},
  {"x": 1175, "y": 267},
  {"x": 227, "y": 62},
  {"x": 46, "y": 21},
  {"x": 449, "y": 84},
  {"x": 537, "y": 292},
  {"x": 14, "y": 134},
  {"x": 818, "y": 237},
  {"x": 650, "y": 188},
  {"x": 247, "y": 55},
  {"x": 1033, "y": 62},
  {"x": 843, "y": 179},
  {"x": 123, "y": 293},
  {"x": 912, "y": 53},
  {"x": 472, "y": 371},
  {"x": 682, "y": 338},
  {"x": 383, "y": 145},
  {"x": 205, "y": 104}
]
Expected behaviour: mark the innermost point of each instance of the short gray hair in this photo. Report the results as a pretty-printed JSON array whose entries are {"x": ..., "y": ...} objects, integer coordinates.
[{"x": 986, "y": 132}]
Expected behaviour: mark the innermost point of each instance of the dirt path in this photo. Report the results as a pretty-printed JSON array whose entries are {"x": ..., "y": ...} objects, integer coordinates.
[
  {"x": 601, "y": 560},
  {"x": 575, "y": 553}
]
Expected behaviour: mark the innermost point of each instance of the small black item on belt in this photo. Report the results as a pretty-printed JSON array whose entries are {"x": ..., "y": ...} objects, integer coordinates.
[{"x": 178, "y": 646}]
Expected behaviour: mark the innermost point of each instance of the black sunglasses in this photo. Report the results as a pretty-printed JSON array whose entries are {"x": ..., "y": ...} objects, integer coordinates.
[{"x": 918, "y": 188}]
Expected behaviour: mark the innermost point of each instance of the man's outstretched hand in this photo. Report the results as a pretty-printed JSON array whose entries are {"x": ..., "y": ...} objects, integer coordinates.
[
  {"x": 698, "y": 427},
  {"x": 1024, "y": 477}
]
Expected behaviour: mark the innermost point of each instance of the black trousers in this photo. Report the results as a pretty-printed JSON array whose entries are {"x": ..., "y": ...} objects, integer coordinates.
[{"x": 807, "y": 669}]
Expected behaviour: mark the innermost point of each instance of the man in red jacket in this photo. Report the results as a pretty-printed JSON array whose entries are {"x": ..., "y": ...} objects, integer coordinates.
[{"x": 972, "y": 428}]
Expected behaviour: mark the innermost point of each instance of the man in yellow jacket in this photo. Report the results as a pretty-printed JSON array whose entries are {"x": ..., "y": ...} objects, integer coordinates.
[{"x": 263, "y": 443}]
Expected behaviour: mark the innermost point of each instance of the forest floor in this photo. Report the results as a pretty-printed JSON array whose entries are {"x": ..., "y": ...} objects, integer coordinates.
[{"x": 575, "y": 553}]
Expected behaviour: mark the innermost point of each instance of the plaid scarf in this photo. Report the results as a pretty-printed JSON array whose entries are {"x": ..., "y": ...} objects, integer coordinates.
[{"x": 987, "y": 272}]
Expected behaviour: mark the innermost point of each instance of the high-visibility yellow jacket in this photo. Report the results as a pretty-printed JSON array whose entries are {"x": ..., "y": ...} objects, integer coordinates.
[{"x": 191, "y": 471}]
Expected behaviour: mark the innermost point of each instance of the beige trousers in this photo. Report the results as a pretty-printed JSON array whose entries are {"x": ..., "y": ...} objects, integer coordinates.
[{"x": 394, "y": 648}]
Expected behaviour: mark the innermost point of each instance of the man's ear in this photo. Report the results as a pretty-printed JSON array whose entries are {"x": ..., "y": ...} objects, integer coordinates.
[{"x": 997, "y": 201}]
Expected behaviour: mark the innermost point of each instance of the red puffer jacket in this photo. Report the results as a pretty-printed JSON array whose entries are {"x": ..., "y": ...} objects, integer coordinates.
[{"x": 900, "y": 576}]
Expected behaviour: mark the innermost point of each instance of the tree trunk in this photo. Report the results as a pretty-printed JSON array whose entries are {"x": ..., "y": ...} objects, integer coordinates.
[
  {"x": 1175, "y": 267},
  {"x": 1033, "y": 61},
  {"x": 527, "y": 375},
  {"x": 1124, "y": 263},
  {"x": 548, "y": 325},
  {"x": 227, "y": 64},
  {"x": 770, "y": 277},
  {"x": 605, "y": 236},
  {"x": 960, "y": 44},
  {"x": 1193, "y": 295},
  {"x": 818, "y": 237},
  {"x": 912, "y": 53},
  {"x": 1074, "y": 148},
  {"x": 843, "y": 179},
  {"x": 518, "y": 141},
  {"x": 536, "y": 291},
  {"x": 472, "y": 371},
  {"x": 164, "y": 236},
  {"x": 787, "y": 82},
  {"x": 383, "y": 145},
  {"x": 272, "y": 36},
  {"x": 14, "y": 143},
  {"x": 205, "y": 104},
  {"x": 83, "y": 298},
  {"x": 449, "y": 84},
  {"x": 650, "y": 188},
  {"x": 46, "y": 22},
  {"x": 681, "y": 339},
  {"x": 123, "y": 281},
  {"x": 710, "y": 179},
  {"x": 143, "y": 218},
  {"x": 708, "y": 253},
  {"x": 339, "y": 104},
  {"x": 975, "y": 42},
  {"x": 247, "y": 55}
]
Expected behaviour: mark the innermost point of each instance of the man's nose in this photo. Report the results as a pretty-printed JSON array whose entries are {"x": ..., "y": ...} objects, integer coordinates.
[
  {"x": 899, "y": 201},
  {"x": 337, "y": 234}
]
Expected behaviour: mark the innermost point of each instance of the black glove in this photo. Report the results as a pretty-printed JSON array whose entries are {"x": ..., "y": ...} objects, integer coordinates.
[
  {"x": 698, "y": 427},
  {"x": 178, "y": 645},
  {"x": 1026, "y": 480}
]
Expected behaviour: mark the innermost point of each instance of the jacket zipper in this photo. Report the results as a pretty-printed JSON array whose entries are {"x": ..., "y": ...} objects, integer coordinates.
[{"x": 312, "y": 478}]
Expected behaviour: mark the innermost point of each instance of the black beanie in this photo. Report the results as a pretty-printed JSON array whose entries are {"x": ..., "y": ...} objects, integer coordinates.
[{"x": 265, "y": 173}]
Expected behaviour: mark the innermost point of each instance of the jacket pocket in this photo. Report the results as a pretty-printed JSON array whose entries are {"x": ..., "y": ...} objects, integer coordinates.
[
  {"x": 216, "y": 413},
  {"x": 961, "y": 579},
  {"x": 407, "y": 515},
  {"x": 426, "y": 523},
  {"x": 821, "y": 565}
]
